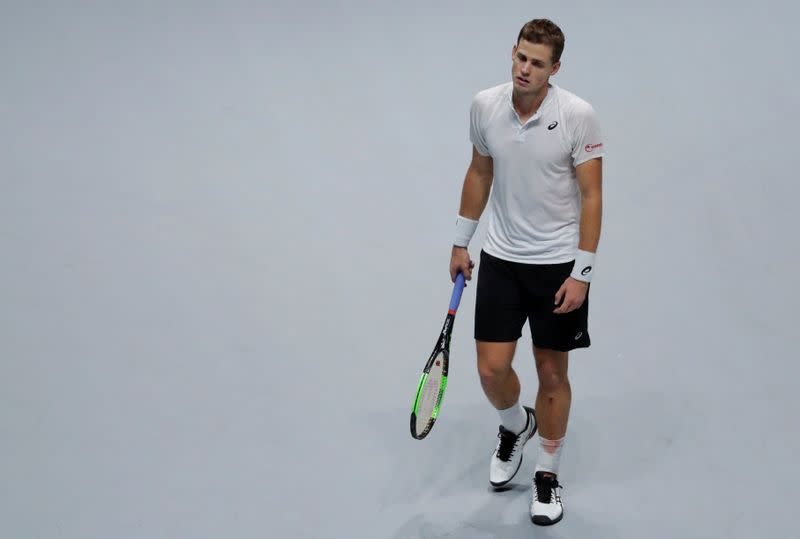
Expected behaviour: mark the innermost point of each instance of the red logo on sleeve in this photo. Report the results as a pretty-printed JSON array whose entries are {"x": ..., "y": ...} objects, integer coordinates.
[{"x": 590, "y": 147}]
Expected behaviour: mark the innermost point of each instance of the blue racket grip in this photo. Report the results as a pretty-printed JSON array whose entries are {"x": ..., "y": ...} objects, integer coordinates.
[{"x": 458, "y": 288}]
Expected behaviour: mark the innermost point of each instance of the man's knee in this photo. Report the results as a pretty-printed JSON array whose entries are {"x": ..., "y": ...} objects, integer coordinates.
[
  {"x": 551, "y": 368},
  {"x": 494, "y": 360}
]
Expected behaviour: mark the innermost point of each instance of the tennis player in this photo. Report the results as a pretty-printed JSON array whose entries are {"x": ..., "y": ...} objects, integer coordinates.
[{"x": 537, "y": 150}]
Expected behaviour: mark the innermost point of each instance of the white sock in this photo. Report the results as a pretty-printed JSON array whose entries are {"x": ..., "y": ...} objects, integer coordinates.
[
  {"x": 549, "y": 455},
  {"x": 514, "y": 419}
]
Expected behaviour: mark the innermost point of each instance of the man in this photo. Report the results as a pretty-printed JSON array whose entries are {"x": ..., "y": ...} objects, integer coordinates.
[{"x": 537, "y": 149}]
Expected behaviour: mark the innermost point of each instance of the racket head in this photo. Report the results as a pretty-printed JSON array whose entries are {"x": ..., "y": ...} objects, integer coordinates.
[{"x": 430, "y": 394}]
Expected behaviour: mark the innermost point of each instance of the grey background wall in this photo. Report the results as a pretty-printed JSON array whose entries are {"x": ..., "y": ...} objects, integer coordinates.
[{"x": 224, "y": 230}]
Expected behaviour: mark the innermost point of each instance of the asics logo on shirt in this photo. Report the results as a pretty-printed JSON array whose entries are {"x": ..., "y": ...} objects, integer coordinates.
[
  {"x": 590, "y": 147},
  {"x": 552, "y": 126}
]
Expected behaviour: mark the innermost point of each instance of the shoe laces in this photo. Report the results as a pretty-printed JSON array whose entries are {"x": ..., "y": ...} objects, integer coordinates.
[
  {"x": 508, "y": 444},
  {"x": 546, "y": 487}
]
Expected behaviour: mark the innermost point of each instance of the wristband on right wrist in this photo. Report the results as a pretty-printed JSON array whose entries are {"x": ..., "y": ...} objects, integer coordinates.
[{"x": 465, "y": 229}]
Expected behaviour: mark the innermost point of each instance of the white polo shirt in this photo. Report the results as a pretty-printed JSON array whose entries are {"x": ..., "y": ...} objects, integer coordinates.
[{"x": 535, "y": 200}]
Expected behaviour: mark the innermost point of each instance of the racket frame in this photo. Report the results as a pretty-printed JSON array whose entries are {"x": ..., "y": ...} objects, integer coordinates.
[{"x": 441, "y": 349}]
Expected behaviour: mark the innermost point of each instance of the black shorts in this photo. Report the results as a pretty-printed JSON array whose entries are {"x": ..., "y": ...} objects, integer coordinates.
[{"x": 508, "y": 293}]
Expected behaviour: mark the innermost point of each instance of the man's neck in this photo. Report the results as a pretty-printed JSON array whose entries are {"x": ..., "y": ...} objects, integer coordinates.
[{"x": 526, "y": 106}]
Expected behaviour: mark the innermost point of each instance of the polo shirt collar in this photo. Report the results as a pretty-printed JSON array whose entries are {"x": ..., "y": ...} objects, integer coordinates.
[{"x": 551, "y": 90}]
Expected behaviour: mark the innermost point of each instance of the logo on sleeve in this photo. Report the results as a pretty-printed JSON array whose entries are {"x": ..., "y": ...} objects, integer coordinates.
[
  {"x": 590, "y": 147},
  {"x": 552, "y": 126}
]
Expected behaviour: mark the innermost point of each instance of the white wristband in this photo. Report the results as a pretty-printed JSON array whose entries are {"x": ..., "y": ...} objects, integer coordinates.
[
  {"x": 584, "y": 266},
  {"x": 465, "y": 228}
]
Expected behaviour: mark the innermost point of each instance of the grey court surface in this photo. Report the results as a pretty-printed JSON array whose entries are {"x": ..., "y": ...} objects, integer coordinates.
[{"x": 224, "y": 231}]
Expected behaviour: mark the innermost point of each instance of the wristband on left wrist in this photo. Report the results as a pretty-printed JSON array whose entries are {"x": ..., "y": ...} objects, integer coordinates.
[{"x": 583, "y": 270}]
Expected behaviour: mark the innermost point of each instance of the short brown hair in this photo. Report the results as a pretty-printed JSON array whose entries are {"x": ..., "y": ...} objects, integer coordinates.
[{"x": 546, "y": 32}]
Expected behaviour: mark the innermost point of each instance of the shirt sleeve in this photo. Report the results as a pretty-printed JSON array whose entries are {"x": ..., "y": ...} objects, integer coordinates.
[
  {"x": 476, "y": 129},
  {"x": 587, "y": 142}
]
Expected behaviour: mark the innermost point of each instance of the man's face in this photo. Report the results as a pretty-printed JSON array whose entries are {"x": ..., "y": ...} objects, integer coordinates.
[{"x": 532, "y": 67}]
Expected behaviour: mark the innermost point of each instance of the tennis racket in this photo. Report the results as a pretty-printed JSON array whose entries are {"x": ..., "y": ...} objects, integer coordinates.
[{"x": 434, "y": 377}]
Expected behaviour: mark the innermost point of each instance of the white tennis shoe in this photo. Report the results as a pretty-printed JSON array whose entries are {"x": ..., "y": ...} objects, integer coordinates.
[
  {"x": 546, "y": 505},
  {"x": 507, "y": 456}
]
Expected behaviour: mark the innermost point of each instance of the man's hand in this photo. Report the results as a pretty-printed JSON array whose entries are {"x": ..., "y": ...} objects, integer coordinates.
[
  {"x": 460, "y": 261},
  {"x": 573, "y": 294}
]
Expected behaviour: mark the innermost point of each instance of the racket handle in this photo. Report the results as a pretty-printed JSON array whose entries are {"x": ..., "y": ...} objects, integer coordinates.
[{"x": 458, "y": 288}]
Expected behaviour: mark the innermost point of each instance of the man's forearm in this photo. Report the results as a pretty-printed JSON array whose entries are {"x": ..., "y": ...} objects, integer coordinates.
[
  {"x": 474, "y": 195},
  {"x": 591, "y": 218}
]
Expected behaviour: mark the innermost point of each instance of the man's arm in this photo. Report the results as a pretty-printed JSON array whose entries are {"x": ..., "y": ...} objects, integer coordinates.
[
  {"x": 474, "y": 196},
  {"x": 572, "y": 293},
  {"x": 477, "y": 186},
  {"x": 590, "y": 181}
]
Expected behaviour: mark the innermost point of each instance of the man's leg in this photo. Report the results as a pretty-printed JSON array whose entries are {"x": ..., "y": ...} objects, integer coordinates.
[
  {"x": 553, "y": 336},
  {"x": 500, "y": 314},
  {"x": 552, "y": 409},
  {"x": 555, "y": 394},
  {"x": 518, "y": 424}
]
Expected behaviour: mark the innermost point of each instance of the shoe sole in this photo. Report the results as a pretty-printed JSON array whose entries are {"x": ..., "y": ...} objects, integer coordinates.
[
  {"x": 541, "y": 520},
  {"x": 507, "y": 481}
]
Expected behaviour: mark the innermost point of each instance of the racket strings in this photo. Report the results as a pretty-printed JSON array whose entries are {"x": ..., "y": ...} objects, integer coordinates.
[{"x": 430, "y": 395}]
